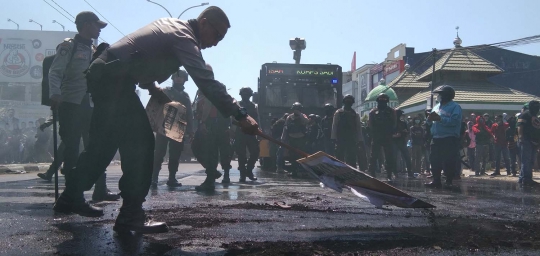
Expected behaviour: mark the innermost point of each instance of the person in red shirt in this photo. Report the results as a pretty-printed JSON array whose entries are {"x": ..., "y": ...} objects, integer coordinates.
[{"x": 501, "y": 144}]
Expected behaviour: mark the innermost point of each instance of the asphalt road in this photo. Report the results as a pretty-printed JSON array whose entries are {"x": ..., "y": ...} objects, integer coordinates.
[{"x": 479, "y": 215}]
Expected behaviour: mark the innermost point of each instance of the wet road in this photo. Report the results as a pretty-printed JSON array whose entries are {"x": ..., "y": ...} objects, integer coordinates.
[{"x": 484, "y": 215}]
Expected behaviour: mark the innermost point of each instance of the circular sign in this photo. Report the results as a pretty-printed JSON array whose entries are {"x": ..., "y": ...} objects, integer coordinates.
[
  {"x": 36, "y": 72},
  {"x": 14, "y": 60},
  {"x": 36, "y": 43},
  {"x": 40, "y": 57}
]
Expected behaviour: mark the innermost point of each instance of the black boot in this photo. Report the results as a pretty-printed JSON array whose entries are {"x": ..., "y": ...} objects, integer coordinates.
[
  {"x": 133, "y": 218},
  {"x": 226, "y": 179},
  {"x": 45, "y": 176},
  {"x": 48, "y": 175},
  {"x": 101, "y": 193},
  {"x": 242, "y": 175},
  {"x": 208, "y": 184},
  {"x": 173, "y": 182},
  {"x": 64, "y": 204},
  {"x": 250, "y": 175}
]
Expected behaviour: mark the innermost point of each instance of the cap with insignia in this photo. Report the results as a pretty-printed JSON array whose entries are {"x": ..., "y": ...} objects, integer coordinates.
[{"x": 86, "y": 16}]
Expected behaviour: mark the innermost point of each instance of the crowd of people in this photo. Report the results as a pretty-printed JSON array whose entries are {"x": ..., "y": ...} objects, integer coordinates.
[
  {"x": 22, "y": 142},
  {"x": 441, "y": 139}
]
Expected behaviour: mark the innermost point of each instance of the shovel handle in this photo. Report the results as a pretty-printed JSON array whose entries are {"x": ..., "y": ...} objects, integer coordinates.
[{"x": 278, "y": 142}]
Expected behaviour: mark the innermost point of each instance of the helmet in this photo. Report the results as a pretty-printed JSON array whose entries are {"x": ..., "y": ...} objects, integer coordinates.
[
  {"x": 383, "y": 96},
  {"x": 311, "y": 116},
  {"x": 328, "y": 106},
  {"x": 246, "y": 90},
  {"x": 181, "y": 73},
  {"x": 297, "y": 106},
  {"x": 446, "y": 90},
  {"x": 348, "y": 96}
]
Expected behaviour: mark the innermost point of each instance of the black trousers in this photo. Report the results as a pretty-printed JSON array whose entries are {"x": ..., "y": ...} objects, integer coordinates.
[
  {"x": 175, "y": 151},
  {"x": 347, "y": 151},
  {"x": 119, "y": 122},
  {"x": 74, "y": 120},
  {"x": 402, "y": 148},
  {"x": 243, "y": 142},
  {"x": 375, "y": 158},
  {"x": 444, "y": 156},
  {"x": 218, "y": 146}
]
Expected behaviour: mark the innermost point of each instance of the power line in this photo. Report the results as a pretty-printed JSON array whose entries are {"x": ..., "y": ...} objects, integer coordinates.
[
  {"x": 104, "y": 18},
  {"x": 65, "y": 15},
  {"x": 63, "y": 8},
  {"x": 59, "y": 11}
]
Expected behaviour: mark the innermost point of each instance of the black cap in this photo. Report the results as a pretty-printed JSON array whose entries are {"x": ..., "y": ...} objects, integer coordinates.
[{"x": 83, "y": 17}]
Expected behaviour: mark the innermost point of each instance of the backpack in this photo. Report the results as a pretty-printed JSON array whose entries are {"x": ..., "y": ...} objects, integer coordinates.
[{"x": 47, "y": 62}]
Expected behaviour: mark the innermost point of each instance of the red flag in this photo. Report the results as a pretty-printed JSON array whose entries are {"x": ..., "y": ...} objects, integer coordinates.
[{"x": 353, "y": 63}]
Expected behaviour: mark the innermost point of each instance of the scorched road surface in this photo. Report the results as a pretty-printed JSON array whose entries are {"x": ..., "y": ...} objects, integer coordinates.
[{"x": 479, "y": 215}]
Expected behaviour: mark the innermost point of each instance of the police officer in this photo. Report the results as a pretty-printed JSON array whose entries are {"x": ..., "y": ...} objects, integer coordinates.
[
  {"x": 175, "y": 93},
  {"x": 68, "y": 93},
  {"x": 212, "y": 142},
  {"x": 294, "y": 133},
  {"x": 277, "y": 132},
  {"x": 327, "y": 122},
  {"x": 445, "y": 119},
  {"x": 119, "y": 121},
  {"x": 382, "y": 124},
  {"x": 347, "y": 132},
  {"x": 314, "y": 134},
  {"x": 243, "y": 141},
  {"x": 400, "y": 141}
]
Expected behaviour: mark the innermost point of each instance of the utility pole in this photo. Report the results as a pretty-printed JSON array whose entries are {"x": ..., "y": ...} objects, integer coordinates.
[{"x": 434, "y": 53}]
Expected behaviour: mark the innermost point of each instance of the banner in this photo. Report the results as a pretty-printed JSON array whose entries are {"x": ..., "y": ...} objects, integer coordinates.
[{"x": 337, "y": 175}]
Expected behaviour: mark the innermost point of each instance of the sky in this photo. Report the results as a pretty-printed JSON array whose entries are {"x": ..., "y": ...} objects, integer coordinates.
[{"x": 333, "y": 30}]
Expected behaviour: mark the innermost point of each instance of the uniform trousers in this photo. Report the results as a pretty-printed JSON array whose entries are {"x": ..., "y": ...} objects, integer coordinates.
[
  {"x": 218, "y": 146},
  {"x": 243, "y": 142},
  {"x": 347, "y": 151},
  {"x": 119, "y": 122},
  {"x": 175, "y": 151}
]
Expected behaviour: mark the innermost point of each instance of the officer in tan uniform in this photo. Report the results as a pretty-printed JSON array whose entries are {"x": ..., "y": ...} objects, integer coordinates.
[
  {"x": 68, "y": 93},
  {"x": 148, "y": 55}
]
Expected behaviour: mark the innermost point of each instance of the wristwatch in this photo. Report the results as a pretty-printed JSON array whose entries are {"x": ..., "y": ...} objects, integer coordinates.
[{"x": 240, "y": 114}]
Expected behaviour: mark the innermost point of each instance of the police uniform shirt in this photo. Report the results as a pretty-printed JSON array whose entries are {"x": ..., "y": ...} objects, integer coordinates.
[
  {"x": 157, "y": 50},
  {"x": 66, "y": 74}
]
